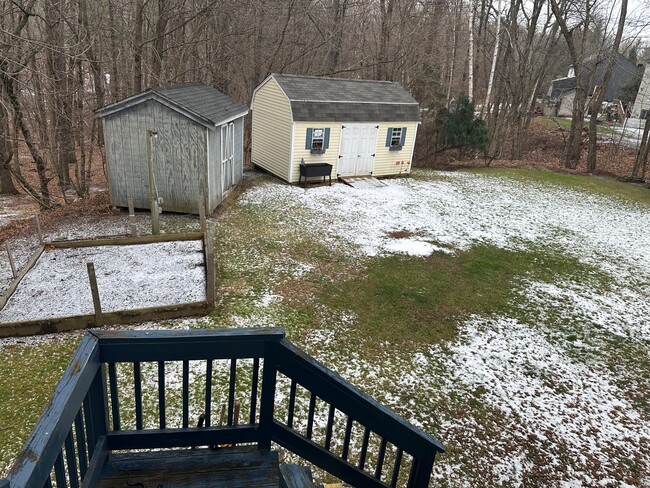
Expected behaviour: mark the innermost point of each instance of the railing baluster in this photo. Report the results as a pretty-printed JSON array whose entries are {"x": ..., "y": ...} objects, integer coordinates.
[
  {"x": 328, "y": 433},
  {"x": 364, "y": 448},
  {"x": 380, "y": 459},
  {"x": 413, "y": 474},
  {"x": 186, "y": 393},
  {"x": 137, "y": 383},
  {"x": 310, "y": 418},
  {"x": 346, "y": 440},
  {"x": 396, "y": 467},
  {"x": 254, "y": 386},
  {"x": 81, "y": 444},
  {"x": 161, "y": 393},
  {"x": 95, "y": 413},
  {"x": 231, "y": 392},
  {"x": 208, "y": 392},
  {"x": 71, "y": 460},
  {"x": 267, "y": 400},
  {"x": 59, "y": 472},
  {"x": 115, "y": 405},
  {"x": 292, "y": 404}
]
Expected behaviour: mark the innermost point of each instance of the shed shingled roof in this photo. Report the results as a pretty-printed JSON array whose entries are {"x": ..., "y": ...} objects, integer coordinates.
[
  {"x": 203, "y": 100},
  {"x": 324, "y": 99}
]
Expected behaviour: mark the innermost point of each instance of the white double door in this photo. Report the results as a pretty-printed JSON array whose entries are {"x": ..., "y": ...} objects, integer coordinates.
[{"x": 357, "y": 149}]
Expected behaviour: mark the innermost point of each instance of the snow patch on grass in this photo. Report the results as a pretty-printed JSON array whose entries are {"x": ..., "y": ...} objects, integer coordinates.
[{"x": 557, "y": 398}]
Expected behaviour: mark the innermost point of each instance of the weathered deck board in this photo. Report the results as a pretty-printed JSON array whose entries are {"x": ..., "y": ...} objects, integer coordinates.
[{"x": 200, "y": 468}]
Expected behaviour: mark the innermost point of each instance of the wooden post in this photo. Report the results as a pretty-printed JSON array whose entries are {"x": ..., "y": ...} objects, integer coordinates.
[
  {"x": 155, "y": 222},
  {"x": 204, "y": 225},
  {"x": 210, "y": 293},
  {"x": 133, "y": 230},
  {"x": 11, "y": 260},
  {"x": 38, "y": 229},
  {"x": 95, "y": 292},
  {"x": 153, "y": 204}
]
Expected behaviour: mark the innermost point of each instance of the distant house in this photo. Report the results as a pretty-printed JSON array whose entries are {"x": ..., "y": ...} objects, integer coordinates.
[
  {"x": 186, "y": 139},
  {"x": 642, "y": 102},
  {"x": 561, "y": 92},
  {"x": 360, "y": 127}
]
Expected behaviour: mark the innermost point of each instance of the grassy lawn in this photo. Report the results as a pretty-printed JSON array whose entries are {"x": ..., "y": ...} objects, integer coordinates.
[{"x": 519, "y": 340}]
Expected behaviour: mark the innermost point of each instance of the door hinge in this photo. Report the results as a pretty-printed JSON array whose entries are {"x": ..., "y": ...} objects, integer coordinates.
[
  {"x": 340, "y": 156},
  {"x": 376, "y": 127},
  {"x": 373, "y": 155},
  {"x": 342, "y": 127}
]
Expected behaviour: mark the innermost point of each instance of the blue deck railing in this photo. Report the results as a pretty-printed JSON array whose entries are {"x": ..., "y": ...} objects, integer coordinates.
[{"x": 148, "y": 389}]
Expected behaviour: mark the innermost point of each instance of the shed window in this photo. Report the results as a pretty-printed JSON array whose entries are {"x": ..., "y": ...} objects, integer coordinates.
[
  {"x": 395, "y": 138},
  {"x": 317, "y": 140}
]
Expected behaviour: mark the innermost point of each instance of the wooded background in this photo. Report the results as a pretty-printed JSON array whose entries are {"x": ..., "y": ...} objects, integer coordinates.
[{"x": 62, "y": 59}]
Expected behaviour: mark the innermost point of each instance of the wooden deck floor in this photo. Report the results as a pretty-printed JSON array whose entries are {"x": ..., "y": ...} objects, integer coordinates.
[{"x": 200, "y": 468}]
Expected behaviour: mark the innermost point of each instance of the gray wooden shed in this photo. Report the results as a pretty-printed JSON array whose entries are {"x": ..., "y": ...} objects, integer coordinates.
[{"x": 181, "y": 142}]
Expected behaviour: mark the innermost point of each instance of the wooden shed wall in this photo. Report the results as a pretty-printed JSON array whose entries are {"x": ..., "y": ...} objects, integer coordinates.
[
  {"x": 272, "y": 129},
  {"x": 179, "y": 154}
]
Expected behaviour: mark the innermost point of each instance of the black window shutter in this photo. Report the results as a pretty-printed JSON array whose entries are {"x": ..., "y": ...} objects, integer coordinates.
[
  {"x": 401, "y": 141},
  {"x": 389, "y": 134},
  {"x": 326, "y": 140},
  {"x": 308, "y": 141}
]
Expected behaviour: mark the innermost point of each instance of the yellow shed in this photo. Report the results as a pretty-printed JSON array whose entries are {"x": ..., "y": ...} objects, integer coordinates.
[{"x": 360, "y": 127}]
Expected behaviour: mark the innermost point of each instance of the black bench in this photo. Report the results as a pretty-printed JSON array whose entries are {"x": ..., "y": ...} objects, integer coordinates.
[{"x": 308, "y": 170}]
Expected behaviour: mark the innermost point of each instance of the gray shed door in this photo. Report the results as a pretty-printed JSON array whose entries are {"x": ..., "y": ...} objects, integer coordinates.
[
  {"x": 227, "y": 157},
  {"x": 357, "y": 149}
]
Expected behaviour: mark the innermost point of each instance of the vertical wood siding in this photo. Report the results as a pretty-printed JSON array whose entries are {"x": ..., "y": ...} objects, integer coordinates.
[
  {"x": 178, "y": 152},
  {"x": 271, "y": 138}
]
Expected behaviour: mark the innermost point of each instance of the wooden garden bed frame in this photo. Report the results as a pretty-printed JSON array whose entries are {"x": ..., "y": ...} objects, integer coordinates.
[{"x": 100, "y": 318}]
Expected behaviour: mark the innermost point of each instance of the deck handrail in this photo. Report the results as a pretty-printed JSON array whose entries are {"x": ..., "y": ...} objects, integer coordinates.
[{"x": 85, "y": 418}]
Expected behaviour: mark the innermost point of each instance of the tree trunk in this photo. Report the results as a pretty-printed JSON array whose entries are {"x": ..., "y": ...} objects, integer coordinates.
[
  {"x": 159, "y": 42},
  {"x": 6, "y": 153},
  {"x": 137, "y": 47},
  {"x": 495, "y": 56},
  {"x": 336, "y": 43},
  {"x": 60, "y": 94},
  {"x": 574, "y": 143},
  {"x": 386, "y": 14},
  {"x": 641, "y": 161},
  {"x": 598, "y": 100},
  {"x": 44, "y": 196},
  {"x": 470, "y": 77}
]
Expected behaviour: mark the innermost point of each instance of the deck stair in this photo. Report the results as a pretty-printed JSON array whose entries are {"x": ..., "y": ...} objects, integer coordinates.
[
  {"x": 115, "y": 421},
  {"x": 236, "y": 467},
  {"x": 296, "y": 476}
]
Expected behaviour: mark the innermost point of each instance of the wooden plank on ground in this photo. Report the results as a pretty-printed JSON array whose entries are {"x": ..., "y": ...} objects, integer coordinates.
[
  {"x": 123, "y": 317},
  {"x": 4, "y": 298},
  {"x": 128, "y": 241}
]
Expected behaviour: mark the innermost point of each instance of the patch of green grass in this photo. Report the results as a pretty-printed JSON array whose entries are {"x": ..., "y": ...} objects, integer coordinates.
[
  {"x": 28, "y": 375},
  {"x": 590, "y": 184},
  {"x": 423, "y": 300}
]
